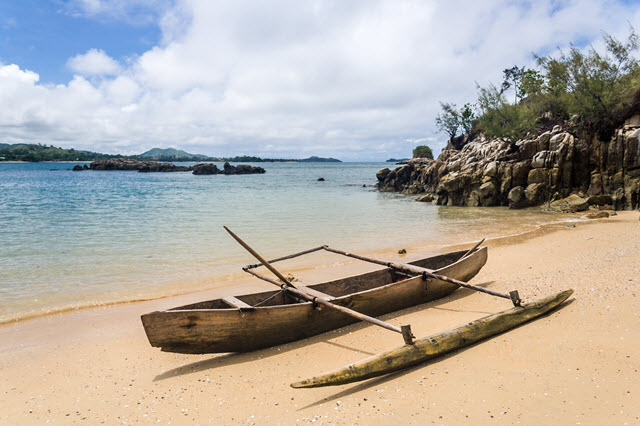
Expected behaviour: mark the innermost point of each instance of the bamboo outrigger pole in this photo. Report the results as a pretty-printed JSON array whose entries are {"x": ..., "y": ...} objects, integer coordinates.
[
  {"x": 513, "y": 295},
  {"x": 405, "y": 330}
]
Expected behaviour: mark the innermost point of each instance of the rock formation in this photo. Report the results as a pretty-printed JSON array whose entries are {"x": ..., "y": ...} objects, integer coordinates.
[
  {"x": 241, "y": 169},
  {"x": 228, "y": 169},
  {"x": 154, "y": 166},
  {"x": 141, "y": 166},
  {"x": 530, "y": 172}
]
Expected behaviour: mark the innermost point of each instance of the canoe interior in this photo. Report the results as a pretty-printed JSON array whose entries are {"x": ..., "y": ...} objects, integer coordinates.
[{"x": 336, "y": 288}]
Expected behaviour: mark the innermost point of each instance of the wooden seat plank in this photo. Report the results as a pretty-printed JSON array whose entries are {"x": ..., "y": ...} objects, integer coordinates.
[{"x": 236, "y": 303}]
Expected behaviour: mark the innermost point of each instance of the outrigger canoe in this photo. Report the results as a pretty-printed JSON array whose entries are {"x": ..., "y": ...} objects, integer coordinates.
[{"x": 259, "y": 320}]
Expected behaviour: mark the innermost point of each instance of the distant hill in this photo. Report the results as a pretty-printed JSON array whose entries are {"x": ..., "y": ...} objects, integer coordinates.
[
  {"x": 395, "y": 160},
  {"x": 169, "y": 153},
  {"x": 39, "y": 152},
  {"x": 314, "y": 159}
]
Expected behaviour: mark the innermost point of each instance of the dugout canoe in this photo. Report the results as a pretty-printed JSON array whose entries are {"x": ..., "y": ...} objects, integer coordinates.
[
  {"x": 436, "y": 345},
  {"x": 254, "y": 321}
]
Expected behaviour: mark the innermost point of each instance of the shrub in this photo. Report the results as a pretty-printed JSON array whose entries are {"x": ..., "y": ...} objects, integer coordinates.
[{"x": 422, "y": 151}]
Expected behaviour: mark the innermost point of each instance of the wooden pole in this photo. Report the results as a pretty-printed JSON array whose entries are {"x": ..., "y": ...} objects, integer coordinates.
[
  {"x": 287, "y": 286},
  {"x": 472, "y": 249},
  {"x": 513, "y": 296},
  {"x": 290, "y": 256}
]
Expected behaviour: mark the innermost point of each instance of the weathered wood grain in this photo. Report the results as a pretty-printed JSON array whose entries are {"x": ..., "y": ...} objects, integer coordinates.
[{"x": 435, "y": 345}]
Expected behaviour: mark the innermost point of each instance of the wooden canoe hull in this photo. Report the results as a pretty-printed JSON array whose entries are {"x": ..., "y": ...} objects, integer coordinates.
[
  {"x": 435, "y": 345},
  {"x": 189, "y": 329}
]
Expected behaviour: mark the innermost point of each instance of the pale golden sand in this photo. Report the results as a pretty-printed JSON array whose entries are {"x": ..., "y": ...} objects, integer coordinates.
[{"x": 579, "y": 365}]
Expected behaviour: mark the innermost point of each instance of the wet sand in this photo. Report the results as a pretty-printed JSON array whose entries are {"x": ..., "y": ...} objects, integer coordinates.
[{"x": 578, "y": 365}]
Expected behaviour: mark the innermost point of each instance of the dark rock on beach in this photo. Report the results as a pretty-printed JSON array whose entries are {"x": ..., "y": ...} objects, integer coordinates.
[
  {"x": 597, "y": 215},
  {"x": 539, "y": 170}
]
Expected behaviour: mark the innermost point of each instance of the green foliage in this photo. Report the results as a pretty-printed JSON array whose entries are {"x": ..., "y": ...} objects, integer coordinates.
[
  {"x": 512, "y": 76},
  {"x": 422, "y": 151},
  {"x": 531, "y": 84},
  {"x": 597, "y": 87},
  {"x": 467, "y": 117},
  {"x": 500, "y": 118},
  {"x": 450, "y": 119},
  {"x": 39, "y": 152}
]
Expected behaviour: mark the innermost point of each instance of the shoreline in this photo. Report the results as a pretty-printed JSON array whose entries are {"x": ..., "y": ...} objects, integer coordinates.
[
  {"x": 578, "y": 364},
  {"x": 226, "y": 280}
]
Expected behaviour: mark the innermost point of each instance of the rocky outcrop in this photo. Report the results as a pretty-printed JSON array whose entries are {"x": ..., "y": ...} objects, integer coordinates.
[
  {"x": 206, "y": 169},
  {"x": 228, "y": 169},
  {"x": 141, "y": 166},
  {"x": 530, "y": 172},
  {"x": 154, "y": 166},
  {"x": 241, "y": 169}
]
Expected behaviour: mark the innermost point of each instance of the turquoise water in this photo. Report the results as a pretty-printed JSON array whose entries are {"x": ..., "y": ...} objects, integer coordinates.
[{"x": 74, "y": 239}]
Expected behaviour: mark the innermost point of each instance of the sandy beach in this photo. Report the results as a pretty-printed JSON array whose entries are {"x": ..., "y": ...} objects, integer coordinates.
[{"x": 578, "y": 365}]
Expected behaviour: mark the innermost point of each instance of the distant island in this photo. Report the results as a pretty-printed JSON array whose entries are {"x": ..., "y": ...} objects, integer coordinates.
[
  {"x": 40, "y": 152},
  {"x": 314, "y": 159},
  {"x": 396, "y": 160}
]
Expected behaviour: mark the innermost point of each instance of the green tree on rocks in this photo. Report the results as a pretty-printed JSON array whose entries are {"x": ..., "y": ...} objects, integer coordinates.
[{"x": 422, "y": 151}]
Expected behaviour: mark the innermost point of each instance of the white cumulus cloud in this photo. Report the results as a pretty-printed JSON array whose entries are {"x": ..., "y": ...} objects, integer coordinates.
[
  {"x": 284, "y": 78},
  {"x": 94, "y": 62}
]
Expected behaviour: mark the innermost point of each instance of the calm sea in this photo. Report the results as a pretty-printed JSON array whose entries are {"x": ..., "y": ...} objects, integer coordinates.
[{"x": 74, "y": 239}]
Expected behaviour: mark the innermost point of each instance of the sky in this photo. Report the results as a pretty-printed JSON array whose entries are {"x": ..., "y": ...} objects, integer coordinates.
[{"x": 357, "y": 80}]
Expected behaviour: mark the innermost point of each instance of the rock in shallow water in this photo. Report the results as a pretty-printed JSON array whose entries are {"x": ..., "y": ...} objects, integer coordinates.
[
  {"x": 206, "y": 169},
  {"x": 426, "y": 198}
]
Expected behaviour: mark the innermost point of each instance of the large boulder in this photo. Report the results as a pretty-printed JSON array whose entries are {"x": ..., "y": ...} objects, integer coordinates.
[
  {"x": 517, "y": 198},
  {"x": 241, "y": 169},
  {"x": 487, "y": 194},
  {"x": 536, "y": 193},
  {"x": 538, "y": 176},
  {"x": 382, "y": 174},
  {"x": 426, "y": 198},
  {"x": 206, "y": 169},
  {"x": 572, "y": 204}
]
